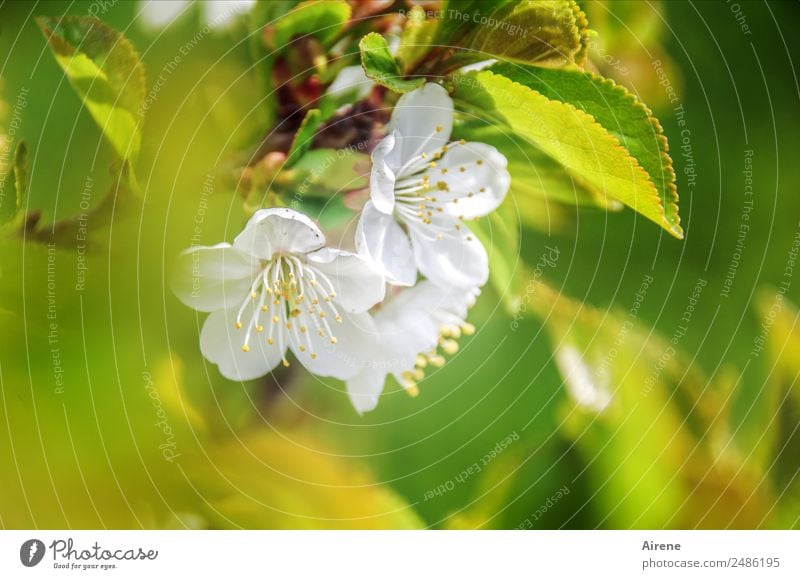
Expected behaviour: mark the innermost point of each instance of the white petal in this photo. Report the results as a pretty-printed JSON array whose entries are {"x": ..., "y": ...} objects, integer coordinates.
[
  {"x": 365, "y": 388},
  {"x": 416, "y": 117},
  {"x": 382, "y": 178},
  {"x": 357, "y": 283},
  {"x": 484, "y": 176},
  {"x": 213, "y": 278},
  {"x": 220, "y": 13},
  {"x": 354, "y": 344},
  {"x": 457, "y": 260},
  {"x": 221, "y": 343},
  {"x": 381, "y": 239},
  {"x": 278, "y": 230},
  {"x": 161, "y": 13},
  {"x": 351, "y": 79}
]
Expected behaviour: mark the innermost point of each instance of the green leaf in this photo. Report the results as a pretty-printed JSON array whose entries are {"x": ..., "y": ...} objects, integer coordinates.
[
  {"x": 304, "y": 136},
  {"x": 619, "y": 112},
  {"x": 22, "y": 177},
  {"x": 630, "y": 391},
  {"x": 535, "y": 177},
  {"x": 106, "y": 72},
  {"x": 321, "y": 172},
  {"x": 551, "y": 32},
  {"x": 417, "y": 38},
  {"x": 381, "y": 66},
  {"x": 322, "y": 19},
  {"x": 265, "y": 480},
  {"x": 499, "y": 234},
  {"x": 20, "y": 174},
  {"x": 568, "y": 135},
  {"x": 259, "y": 17}
]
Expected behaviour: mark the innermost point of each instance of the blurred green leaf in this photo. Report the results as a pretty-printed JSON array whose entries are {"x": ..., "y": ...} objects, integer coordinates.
[
  {"x": 304, "y": 136},
  {"x": 321, "y": 172},
  {"x": 381, "y": 66},
  {"x": 106, "y": 72},
  {"x": 571, "y": 137},
  {"x": 269, "y": 481},
  {"x": 545, "y": 32},
  {"x": 22, "y": 175},
  {"x": 499, "y": 234},
  {"x": 21, "y": 182},
  {"x": 322, "y": 19},
  {"x": 650, "y": 424},
  {"x": 417, "y": 38},
  {"x": 774, "y": 431},
  {"x": 619, "y": 112}
]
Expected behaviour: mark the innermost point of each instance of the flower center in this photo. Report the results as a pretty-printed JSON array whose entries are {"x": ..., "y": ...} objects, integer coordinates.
[
  {"x": 421, "y": 191},
  {"x": 289, "y": 296}
]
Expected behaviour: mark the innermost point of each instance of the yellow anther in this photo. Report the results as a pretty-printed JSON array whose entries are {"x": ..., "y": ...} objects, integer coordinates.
[
  {"x": 442, "y": 186},
  {"x": 450, "y": 347},
  {"x": 285, "y": 363},
  {"x": 333, "y": 340},
  {"x": 313, "y": 356},
  {"x": 302, "y": 348},
  {"x": 238, "y": 325},
  {"x": 482, "y": 189},
  {"x": 265, "y": 308},
  {"x": 339, "y": 319},
  {"x": 432, "y": 164},
  {"x": 418, "y": 374},
  {"x": 275, "y": 319},
  {"x": 303, "y": 329},
  {"x": 288, "y": 325},
  {"x": 436, "y": 361},
  {"x": 467, "y": 328},
  {"x": 479, "y": 161},
  {"x": 270, "y": 341},
  {"x": 422, "y": 361},
  {"x": 245, "y": 348},
  {"x": 462, "y": 142},
  {"x": 253, "y": 295},
  {"x": 462, "y": 169},
  {"x": 411, "y": 389},
  {"x": 259, "y": 328},
  {"x": 439, "y": 128}
]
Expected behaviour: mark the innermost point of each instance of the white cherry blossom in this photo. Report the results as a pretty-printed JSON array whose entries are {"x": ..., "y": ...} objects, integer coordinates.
[
  {"x": 423, "y": 189},
  {"x": 413, "y": 326},
  {"x": 277, "y": 288}
]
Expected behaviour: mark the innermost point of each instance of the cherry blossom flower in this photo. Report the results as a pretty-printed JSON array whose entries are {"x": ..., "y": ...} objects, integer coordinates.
[
  {"x": 423, "y": 189},
  {"x": 413, "y": 326},
  {"x": 277, "y": 288}
]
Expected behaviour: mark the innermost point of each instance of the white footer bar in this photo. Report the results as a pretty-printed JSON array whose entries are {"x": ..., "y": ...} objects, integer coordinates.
[{"x": 401, "y": 554}]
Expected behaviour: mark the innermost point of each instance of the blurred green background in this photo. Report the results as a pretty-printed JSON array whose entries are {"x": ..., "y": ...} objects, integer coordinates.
[{"x": 101, "y": 382}]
